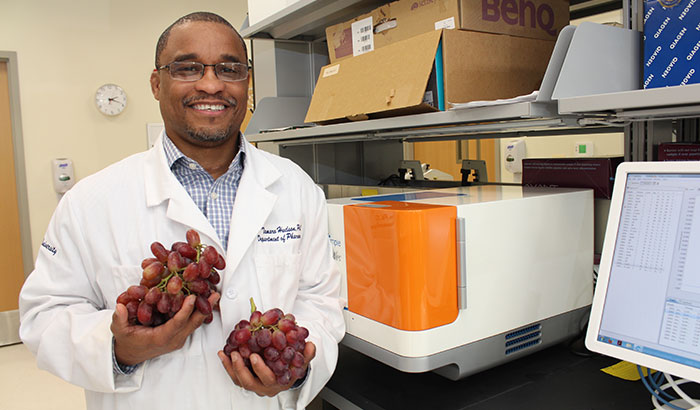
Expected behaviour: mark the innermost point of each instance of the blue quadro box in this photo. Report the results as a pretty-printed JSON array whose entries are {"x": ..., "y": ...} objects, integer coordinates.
[{"x": 671, "y": 42}]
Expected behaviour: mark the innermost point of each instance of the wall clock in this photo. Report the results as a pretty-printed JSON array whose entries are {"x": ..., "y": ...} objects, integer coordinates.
[{"x": 110, "y": 99}]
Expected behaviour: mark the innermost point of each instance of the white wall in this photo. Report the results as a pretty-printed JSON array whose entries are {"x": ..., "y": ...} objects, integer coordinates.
[{"x": 65, "y": 50}]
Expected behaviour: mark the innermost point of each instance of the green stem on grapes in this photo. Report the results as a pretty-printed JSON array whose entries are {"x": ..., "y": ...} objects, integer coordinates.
[{"x": 253, "y": 308}]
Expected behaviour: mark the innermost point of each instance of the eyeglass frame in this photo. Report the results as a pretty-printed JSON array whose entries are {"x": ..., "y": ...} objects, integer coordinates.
[{"x": 204, "y": 67}]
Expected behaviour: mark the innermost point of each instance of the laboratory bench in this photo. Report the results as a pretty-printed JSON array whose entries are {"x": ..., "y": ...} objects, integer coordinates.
[{"x": 564, "y": 376}]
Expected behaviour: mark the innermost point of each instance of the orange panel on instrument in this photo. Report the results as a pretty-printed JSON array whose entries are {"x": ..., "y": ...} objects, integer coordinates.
[{"x": 402, "y": 263}]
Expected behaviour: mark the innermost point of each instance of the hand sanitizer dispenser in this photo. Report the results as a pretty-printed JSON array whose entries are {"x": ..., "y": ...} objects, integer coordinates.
[
  {"x": 63, "y": 175},
  {"x": 515, "y": 152}
]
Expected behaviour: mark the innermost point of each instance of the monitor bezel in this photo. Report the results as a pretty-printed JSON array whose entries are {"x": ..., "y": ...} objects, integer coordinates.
[{"x": 592, "y": 342}]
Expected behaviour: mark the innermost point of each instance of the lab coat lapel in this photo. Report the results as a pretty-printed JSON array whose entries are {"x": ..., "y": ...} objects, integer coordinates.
[
  {"x": 254, "y": 203},
  {"x": 162, "y": 185}
]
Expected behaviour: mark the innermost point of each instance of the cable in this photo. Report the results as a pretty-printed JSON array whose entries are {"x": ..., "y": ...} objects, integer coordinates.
[
  {"x": 654, "y": 395},
  {"x": 678, "y": 390},
  {"x": 655, "y": 381}
]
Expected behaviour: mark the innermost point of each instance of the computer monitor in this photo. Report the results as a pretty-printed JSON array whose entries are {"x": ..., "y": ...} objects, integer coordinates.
[{"x": 646, "y": 306}]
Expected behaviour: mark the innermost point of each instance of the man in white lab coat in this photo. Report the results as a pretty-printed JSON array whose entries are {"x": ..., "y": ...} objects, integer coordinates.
[{"x": 273, "y": 235}]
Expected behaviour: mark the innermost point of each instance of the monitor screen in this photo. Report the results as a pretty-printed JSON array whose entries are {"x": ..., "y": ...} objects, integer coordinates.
[{"x": 647, "y": 304}]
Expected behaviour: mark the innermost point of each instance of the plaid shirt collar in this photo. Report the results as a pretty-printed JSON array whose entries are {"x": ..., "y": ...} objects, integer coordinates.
[{"x": 173, "y": 154}]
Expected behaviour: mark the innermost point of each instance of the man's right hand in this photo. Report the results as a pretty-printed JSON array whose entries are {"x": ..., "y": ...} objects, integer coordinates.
[{"x": 134, "y": 344}]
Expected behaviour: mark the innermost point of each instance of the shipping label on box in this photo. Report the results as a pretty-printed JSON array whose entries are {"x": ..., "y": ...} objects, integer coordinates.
[
  {"x": 390, "y": 23},
  {"x": 671, "y": 42}
]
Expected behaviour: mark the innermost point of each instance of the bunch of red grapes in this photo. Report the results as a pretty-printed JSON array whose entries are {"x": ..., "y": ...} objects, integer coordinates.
[
  {"x": 170, "y": 276},
  {"x": 275, "y": 337}
]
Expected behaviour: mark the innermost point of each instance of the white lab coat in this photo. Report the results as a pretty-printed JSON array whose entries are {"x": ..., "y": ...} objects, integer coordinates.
[{"x": 103, "y": 228}]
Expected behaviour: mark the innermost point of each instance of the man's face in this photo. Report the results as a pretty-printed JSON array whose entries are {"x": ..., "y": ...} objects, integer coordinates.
[{"x": 209, "y": 111}]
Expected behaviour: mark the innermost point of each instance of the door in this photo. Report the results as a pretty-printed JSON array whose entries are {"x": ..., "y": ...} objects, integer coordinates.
[{"x": 12, "y": 273}]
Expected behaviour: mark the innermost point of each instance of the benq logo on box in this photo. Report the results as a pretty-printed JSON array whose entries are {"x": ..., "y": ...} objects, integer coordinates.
[
  {"x": 514, "y": 13},
  {"x": 421, "y": 3}
]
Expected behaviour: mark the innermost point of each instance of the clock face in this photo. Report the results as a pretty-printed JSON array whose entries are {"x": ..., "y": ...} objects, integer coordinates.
[{"x": 110, "y": 99}]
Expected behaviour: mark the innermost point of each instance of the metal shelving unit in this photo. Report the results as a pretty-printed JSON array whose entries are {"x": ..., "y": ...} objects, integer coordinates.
[
  {"x": 294, "y": 37},
  {"x": 308, "y": 18},
  {"x": 521, "y": 118}
]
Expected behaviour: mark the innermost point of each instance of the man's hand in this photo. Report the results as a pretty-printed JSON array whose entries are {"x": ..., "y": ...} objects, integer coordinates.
[
  {"x": 135, "y": 344},
  {"x": 263, "y": 382}
]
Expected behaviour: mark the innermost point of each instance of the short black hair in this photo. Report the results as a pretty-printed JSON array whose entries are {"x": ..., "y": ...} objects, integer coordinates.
[{"x": 196, "y": 16}]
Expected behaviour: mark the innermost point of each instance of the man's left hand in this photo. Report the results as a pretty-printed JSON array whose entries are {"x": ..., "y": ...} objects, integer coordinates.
[{"x": 263, "y": 381}]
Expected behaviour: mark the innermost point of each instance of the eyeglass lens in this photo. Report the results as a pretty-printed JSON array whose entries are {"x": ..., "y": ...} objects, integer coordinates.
[{"x": 193, "y": 71}]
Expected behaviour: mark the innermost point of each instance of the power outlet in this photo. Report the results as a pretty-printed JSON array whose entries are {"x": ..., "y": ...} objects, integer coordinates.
[{"x": 583, "y": 149}]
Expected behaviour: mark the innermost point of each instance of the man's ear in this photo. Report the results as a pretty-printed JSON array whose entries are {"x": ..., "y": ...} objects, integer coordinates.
[{"x": 155, "y": 84}]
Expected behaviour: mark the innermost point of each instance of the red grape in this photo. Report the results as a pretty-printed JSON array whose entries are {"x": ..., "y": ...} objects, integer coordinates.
[
  {"x": 255, "y": 319},
  {"x": 145, "y": 313},
  {"x": 124, "y": 298},
  {"x": 270, "y": 317},
  {"x": 276, "y": 337},
  {"x": 152, "y": 271},
  {"x": 198, "y": 286},
  {"x": 153, "y": 296},
  {"x": 253, "y": 344},
  {"x": 175, "y": 262},
  {"x": 147, "y": 262},
  {"x": 271, "y": 354},
  {"x": 244, "y": 351},
  {"x": 159, "y": 252},
  {"x": 242, "y": 335},
  {"x": 228, "y": 349},
  {"x": 287, "y": 354},
  {"x": 174, "y": 285},
  {"x": 279, "y": 341},
  {"x": 302, "y": 333},
  {"x": 285, "y": 325},
  {"x": 191, "y": 272},
  {"x": 165, "y": 303},
  {"x": 210, "y": 255},
  {"x": 204, "y": 268},
  {"x": 132, "y": 308},
  {"x": 298, "y": 360},
  {"x": 214, "y": 278},
  {"x": 177, "y": 302},
  {"x": 192, "y": 237},
  {"x": 220, "y": 263},
  {"x": 285, "y": 377},
  {"x": 136, "y": 292},
  {"x": 186, "y": 250},
  {"x": 203, "y": 305},
  {"x": 263, "y": 337},
  {"x": 169, "y": 276},
  {"x": 150, "y": 283}
]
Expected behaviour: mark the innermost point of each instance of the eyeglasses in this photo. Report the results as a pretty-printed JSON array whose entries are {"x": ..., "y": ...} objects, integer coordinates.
[{"x": 194, "y": 71}]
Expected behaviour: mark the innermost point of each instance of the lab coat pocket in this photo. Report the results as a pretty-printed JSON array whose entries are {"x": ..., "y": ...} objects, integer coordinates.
[
  {"x": 117, "y": 281},
  {"x": 278, "y": 275}
]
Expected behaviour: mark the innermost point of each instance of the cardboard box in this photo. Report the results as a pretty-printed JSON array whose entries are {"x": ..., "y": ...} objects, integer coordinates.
[
  {"x": 671, "y": 42},
  {"x": 595, "y": 173},
  {"x": 427, "y": 72},
  {"x": 403, "y": 19},
  {"x": 679, "y": 151}
]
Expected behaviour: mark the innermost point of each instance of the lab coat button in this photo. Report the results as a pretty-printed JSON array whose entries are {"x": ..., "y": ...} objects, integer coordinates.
[{"x": 231, "y": 293}]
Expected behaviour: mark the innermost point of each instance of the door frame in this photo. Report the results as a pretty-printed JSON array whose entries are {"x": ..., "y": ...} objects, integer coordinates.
[
  {"x": 9, "y": 320},
  {"x": 10, "y": 57}
]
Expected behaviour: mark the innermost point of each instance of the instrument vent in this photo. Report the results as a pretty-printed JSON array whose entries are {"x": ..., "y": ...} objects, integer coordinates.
[{"x": 522, "y": 339}]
